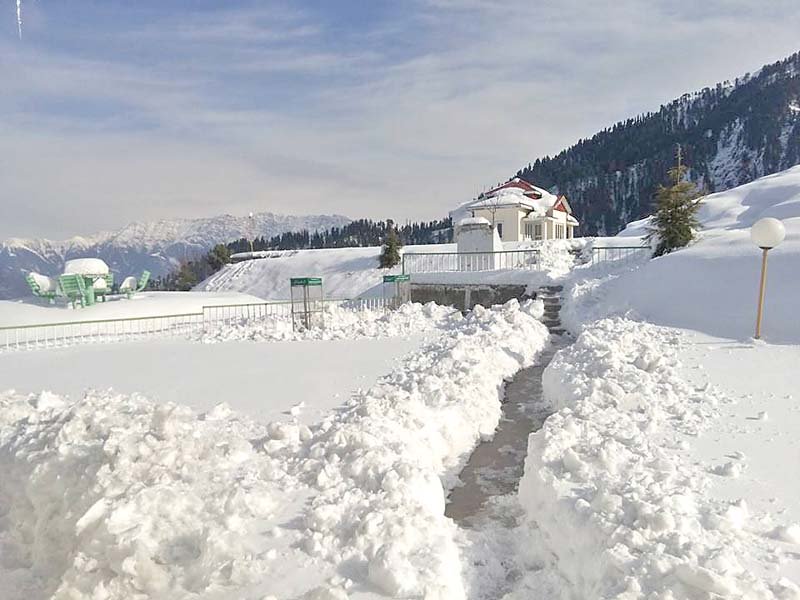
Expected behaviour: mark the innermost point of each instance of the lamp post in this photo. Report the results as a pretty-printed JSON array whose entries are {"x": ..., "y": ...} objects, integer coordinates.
[
  {"x": 252, "y": 230},
  {"x": 766, "y": 233}
]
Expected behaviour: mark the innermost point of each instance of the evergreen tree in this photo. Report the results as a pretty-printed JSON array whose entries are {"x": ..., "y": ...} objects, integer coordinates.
[
  {"x": 187, "y": 277},
  {"x": 675, "y": 220},
  {"x": 390, "y": 254},
  {"x": 218, "y": 257}
]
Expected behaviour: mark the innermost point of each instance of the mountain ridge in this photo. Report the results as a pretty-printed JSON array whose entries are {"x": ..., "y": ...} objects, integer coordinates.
[
  {"x": 157, "y": 246},
  {"x": 730, "y": 134}
]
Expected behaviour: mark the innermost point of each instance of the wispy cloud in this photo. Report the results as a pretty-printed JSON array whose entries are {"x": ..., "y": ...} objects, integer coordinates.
[{"x": 131, "y": 111}]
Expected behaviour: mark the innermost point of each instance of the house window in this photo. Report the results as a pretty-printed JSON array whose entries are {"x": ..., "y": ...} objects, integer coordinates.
[
  {"x": 537, "y": 231},
  {"x": 500, "y": 230}
]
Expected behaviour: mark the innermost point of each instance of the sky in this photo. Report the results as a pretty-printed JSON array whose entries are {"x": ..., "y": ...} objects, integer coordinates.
[{"x": 114, "y": 111}]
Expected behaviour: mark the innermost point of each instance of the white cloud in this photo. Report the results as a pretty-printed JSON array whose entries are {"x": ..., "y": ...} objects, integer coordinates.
[{"x": 403, "y": 118}]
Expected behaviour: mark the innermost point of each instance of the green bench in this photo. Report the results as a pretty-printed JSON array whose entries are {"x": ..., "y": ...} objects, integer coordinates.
[
  {"x": 130, "y": 285},
  {"x": 36, "y": 283},
  {"x": 74, "y": 288},
  {"x": 102, "y": 292}
]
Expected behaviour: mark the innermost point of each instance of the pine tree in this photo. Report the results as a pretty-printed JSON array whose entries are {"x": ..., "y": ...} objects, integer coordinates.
[
  {"x": 218, "y": 257},
  {"x": 675, "y": 221},
  {"x": 390, "y": 254},
  {"x": 187, "y": 278}
]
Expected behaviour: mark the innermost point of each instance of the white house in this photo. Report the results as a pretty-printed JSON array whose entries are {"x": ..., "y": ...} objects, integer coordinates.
[{"x": 521, "y": 212}]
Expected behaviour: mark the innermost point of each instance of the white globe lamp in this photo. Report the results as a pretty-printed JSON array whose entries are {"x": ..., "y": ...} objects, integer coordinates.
[{"x": 766, "y": 233}]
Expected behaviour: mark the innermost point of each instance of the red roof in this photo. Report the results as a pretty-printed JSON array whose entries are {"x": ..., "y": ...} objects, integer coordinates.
[
  {"x": 559, "y": 205},
  {"x": 518, "y": 183}
]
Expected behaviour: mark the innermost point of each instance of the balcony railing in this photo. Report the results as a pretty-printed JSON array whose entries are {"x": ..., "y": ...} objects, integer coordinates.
[{"x": 469, "y": 262}]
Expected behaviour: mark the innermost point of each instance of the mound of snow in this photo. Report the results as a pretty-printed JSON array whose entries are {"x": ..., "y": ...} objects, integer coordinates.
[
  {"x": 712, "y": 286},
  {"x": 621, "y": 506},
  {"x": 340, "y": 323}
]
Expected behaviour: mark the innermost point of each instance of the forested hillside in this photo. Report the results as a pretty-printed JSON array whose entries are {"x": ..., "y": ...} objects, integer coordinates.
[{"x": 730, "y": 134}]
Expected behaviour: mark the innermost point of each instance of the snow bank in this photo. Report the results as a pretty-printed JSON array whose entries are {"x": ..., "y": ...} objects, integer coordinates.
[
  {"x": 120, "y": 497},
  {"x": 339, "y": 323},
  {"x": 379, "y": 466},
  {"x": 117, "y": 497},
  {"x": 608, "y": 483},
  {"x": 712, "y": 285}
]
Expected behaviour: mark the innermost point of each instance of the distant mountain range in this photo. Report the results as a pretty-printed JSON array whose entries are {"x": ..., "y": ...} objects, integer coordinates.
[
  {"x": 730, "y": 134},
  {"x": 156, "y": 246}
]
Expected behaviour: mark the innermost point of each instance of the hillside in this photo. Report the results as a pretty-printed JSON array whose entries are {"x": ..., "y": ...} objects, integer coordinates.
[
  {"x": 711, "y": 286},
  {"x": 731, "y": 134},
  {"x": 156, "y": 246}
]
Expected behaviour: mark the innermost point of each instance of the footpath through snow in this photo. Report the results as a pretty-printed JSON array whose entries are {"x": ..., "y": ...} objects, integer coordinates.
[{"x": 114, "y": 497}]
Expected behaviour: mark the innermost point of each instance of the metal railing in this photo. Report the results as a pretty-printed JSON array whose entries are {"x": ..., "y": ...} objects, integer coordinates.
[
  {"x": 70, "y": 333},
  {"x": 467, "y": 262},
  {"x": 608, "y": 256}
]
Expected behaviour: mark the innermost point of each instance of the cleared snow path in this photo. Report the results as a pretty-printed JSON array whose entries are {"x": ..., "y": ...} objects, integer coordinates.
[{"x": 496, "y": 465}]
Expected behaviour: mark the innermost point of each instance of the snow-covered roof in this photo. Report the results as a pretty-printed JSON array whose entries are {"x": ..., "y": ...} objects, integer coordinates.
[
  {"x": 513, "y": 196},
  {"x": 474, "y": 221}
]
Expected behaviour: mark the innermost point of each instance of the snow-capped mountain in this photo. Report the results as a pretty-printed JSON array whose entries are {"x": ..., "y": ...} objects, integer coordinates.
[
  {"x": 157, "y": 246},
  {"x": 730, "y": 134}
]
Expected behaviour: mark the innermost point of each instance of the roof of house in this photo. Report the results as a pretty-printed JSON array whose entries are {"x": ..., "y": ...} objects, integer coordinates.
[{"x": 521, "y": 193}]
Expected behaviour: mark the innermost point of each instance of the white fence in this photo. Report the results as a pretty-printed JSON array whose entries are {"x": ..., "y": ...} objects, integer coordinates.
[
  {"x": 70, "y": 333},
  {"x": 469, "y": 262},
  {"x": 613, "y": 256}
]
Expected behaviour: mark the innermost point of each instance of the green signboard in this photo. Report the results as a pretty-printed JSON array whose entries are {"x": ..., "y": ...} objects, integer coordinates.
[
  {"x": 305, "y": 281},
  {"x": 394, "y": 278}
]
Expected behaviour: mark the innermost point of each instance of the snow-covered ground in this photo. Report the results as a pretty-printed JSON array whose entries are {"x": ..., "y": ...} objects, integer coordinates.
[
  {"x": 264, "y": 381},
  {"x": 712, "y": 286},
  {"x": 144, "y": 304},
  {"x": 669, "y": 467},
  {"x": 118, "y": 496},
  {"x": 667, "y": 470}
]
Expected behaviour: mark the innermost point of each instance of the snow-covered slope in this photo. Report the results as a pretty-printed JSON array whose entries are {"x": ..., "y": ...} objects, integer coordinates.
[
  {"x": 354, "y": 272},
  {"x": 345, "y": 272},
  {"x": 156, "y": 246},
  {"x": 712, "y": 286}
]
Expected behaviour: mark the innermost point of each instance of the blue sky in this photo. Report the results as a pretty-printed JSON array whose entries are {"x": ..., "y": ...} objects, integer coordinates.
[{"x": 113, "y": 111}]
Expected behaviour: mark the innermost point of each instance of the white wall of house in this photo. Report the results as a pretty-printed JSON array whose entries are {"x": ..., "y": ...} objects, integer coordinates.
[
  {"x": 512, "y": 221},
  {"x": 507, "y": 220}
]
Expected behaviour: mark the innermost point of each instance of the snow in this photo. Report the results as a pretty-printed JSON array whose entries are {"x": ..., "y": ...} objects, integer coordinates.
[
  {"x": 340, "y": 323},
  {"x": 345, "y": 272},
  {"x": 666, "y": 469},
  {"x": 85, "y": 266},
  {"x": 353, "y": 272},
  {"x": 144, "y": 304},
  {"x": 615, "y": 486},
  {"x": 264, "y": 381},
  {"x": 45, "y": 283},
  {"x": 473, "y": 221},
  {"x": 117, "y": 496},
  {"x": 712, "y": 286}
]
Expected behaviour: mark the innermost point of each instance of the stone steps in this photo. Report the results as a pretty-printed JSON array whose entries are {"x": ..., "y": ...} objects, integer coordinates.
[{"x": 550, "y": 295}]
